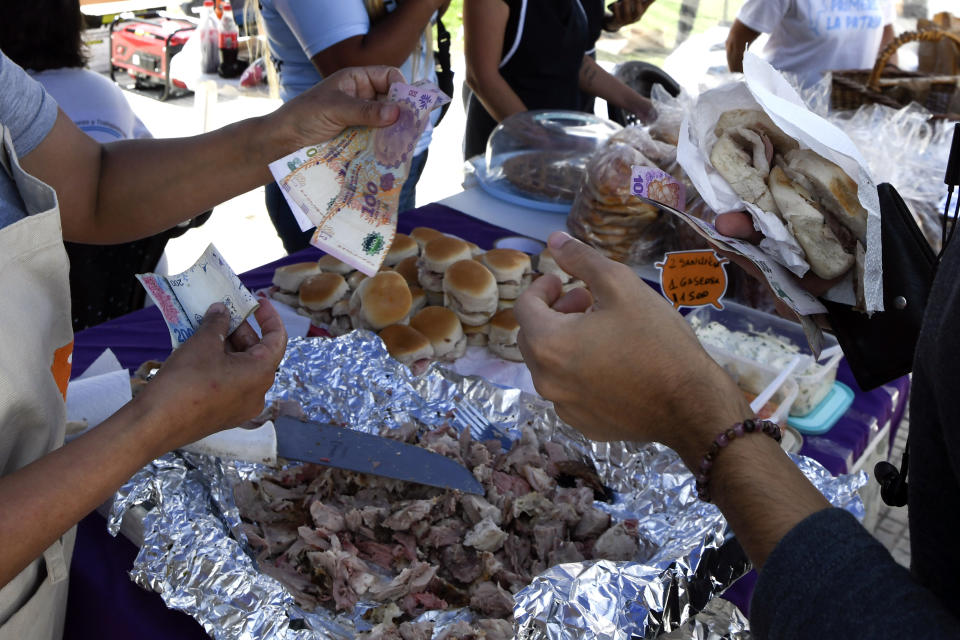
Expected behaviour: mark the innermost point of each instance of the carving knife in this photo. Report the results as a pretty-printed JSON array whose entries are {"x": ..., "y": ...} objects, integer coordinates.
[{"x": 340, "y": 447}]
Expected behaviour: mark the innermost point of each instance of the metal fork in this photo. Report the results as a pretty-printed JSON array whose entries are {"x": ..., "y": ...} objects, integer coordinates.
[{"x": 479, "y": 426}]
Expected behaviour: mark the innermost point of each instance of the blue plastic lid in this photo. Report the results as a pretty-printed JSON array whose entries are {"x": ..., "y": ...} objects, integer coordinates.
[{"x": 825, "y": 414}]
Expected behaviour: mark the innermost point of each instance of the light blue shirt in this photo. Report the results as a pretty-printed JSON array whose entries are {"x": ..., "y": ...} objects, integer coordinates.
[
  {"x": 297, "y": 30},
  {"x": 29, "y": 113}
]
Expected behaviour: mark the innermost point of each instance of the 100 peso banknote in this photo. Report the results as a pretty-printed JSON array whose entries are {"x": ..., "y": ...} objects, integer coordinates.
[
  {"x": 349, "y": 187},
  {"x": 184, "y": 298}
]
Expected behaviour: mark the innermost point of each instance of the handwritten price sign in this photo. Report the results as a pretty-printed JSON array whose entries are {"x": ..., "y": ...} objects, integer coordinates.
[{"x": 693, "y": 278}]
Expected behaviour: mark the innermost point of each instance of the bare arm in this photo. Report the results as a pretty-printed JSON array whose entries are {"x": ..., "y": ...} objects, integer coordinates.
[
  {"x": 390, "y": 40},
  {"x": 484, "y": 24},
  {"x": 202, "y": 387},
  {"x": 131, "y": 189},
  {"x": 738, "y": 40},
  {"x": 598, "y": 82}
]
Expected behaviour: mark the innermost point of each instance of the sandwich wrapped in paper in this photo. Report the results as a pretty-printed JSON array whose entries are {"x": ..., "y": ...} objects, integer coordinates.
[{"x": 754, "y": 146}]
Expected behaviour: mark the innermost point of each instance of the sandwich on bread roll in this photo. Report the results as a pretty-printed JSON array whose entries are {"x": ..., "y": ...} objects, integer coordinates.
[
  {"x": 760, "y": 122},
  {"x": 437, "y": 255},
  {"x": 407, "y": 345},
  {"x": 470, "y": 290},
  {"x": 546, "y": 264},
  {"x": 319, "y": 293},
  {"x": 408, "y": 269},
  {"x": 475, "y": 250},
  {"x": 423, "y": 235},
  {"x": 403, "y": 247},
  {"x": 505, "y": 304},
  {"x": 504, "y": 329},
  {"x": 476, "y": 336},
  {"x": 287, "y": 280},
  {"x": 443, "y": 329},
  {"x": 418, "y": 300},
  {"x": 380, "y": 301},
  {"x": 329, "y": 264},
  {"x": 833, "y": 188},
  {"x": 512, "y": 270},
  {"x": 743, "y": 159},
  {"x": 805, "y": 220},
  {"x": 355, "y": 278}
]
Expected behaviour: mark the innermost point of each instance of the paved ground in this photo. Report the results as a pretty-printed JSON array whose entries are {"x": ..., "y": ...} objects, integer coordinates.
[{"x": 242, "y": 230}]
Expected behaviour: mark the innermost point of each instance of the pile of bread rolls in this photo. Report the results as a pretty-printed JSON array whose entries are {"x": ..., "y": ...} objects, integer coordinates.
[
  {"x": 435, "y": 295},
  {"x": 814, "y": 198}
]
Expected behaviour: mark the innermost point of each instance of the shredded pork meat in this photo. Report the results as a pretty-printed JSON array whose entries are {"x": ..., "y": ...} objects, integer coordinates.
[{"x": 336, "y": 538}]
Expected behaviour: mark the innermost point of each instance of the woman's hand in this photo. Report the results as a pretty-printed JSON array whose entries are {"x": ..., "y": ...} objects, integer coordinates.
[
  {"x": 212, "y": 382},
  {"x": 347, "y": 98}
]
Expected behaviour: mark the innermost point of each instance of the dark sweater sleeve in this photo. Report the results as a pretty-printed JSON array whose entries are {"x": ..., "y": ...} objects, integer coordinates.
[{"x": 828, "y": 578}]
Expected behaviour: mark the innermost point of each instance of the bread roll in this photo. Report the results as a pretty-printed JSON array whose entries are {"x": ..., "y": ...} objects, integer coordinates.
[
  {"x": 405, "y": 344},
  {"x": 504, "y": 329},
  {"x": 806, "y": 222},
  {"x": 470, "y": 290},
  {"x": 512, "y": 270},
  {"x": 443, "y": 329},
  {"x": 835, "y": 190},
  {"x": 380, "y": 301},
  {"x": 403, "y": 247},
  {"x": 329, "y": 264},
  {"x": 289, "y": 277},
  {"x": 437, "y": 255}
]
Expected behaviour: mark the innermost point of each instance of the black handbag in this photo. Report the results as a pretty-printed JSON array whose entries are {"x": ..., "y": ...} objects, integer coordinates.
[{"x": 880, "y": 348}]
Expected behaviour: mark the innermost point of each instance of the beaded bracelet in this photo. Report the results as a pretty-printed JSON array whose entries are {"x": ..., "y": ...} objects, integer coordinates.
[{"x": 738, "y": 430}]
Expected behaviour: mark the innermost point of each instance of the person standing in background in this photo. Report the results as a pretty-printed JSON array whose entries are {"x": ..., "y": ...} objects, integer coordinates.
[
  {"x": 811, "y": 37},
  {"x": 533, "y": 54},
  {"x": 310, "y": 39},
  {"x": 44, "y": 37}
]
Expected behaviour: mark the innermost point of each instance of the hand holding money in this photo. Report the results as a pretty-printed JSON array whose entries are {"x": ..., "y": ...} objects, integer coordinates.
[
  {"x": 183, "y": 298},
  {"x": 347, "y": 98},
  {"x": 349, "y": 187},
  {"x": 209, "y": 384}
]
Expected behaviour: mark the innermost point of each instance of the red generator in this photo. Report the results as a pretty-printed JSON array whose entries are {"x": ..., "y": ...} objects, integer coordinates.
[{"x": 142, "y": 48}]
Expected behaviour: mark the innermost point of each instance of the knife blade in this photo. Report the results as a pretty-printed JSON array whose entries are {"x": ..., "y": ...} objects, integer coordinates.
[
  {"x": 344, "y": 448},
  {"x": 339, "y": 447}
]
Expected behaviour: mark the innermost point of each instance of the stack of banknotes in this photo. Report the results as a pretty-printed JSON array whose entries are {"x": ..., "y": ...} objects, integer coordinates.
[{"x": 349, "y": 187}]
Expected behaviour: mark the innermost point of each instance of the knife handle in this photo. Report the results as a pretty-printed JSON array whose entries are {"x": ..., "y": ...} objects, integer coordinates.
[{"x": 253, "y": 445}]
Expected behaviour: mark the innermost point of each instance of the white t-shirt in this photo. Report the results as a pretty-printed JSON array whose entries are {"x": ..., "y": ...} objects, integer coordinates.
[
  {"x": 297, "y": 30},
  {"x": 809, "y": 37},
  {"x": 94, "y": 103}
]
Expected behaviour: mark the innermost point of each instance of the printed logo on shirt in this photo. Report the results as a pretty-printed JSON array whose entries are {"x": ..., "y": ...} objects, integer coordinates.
[
  {"x": 835, "y": 16},
  {"x": 61, "y": 367}
]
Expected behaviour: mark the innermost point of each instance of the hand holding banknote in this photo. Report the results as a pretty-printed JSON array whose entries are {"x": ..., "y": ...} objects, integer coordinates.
[
  {"x": 212, "y": 381},
  {"x": 344, "y": 99}
]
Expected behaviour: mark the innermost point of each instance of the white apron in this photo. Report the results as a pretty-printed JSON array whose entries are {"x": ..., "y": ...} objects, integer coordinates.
[{"x": 35, "y": 349}]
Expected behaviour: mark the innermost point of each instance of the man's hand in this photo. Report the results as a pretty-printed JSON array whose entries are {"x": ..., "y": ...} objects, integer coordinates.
[
  {"x": 624, "y": 12},
  {"x": 344, "y": 99},
  {"x": 618, "y": 362},
  {"x": 212, "y": 382}
]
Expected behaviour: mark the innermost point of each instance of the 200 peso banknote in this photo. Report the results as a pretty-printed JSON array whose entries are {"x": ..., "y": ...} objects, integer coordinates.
[
  {"x": 349, "y": 187},
  {"x": 184, "y": 298}
]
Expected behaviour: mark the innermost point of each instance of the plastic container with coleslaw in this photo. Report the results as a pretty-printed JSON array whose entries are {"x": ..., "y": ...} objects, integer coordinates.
[{"x": 772, "y": 342}]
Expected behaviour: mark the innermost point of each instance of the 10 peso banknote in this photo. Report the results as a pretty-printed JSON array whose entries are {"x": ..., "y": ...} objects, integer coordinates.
[
  {"x": 184, "y": 298},
  {"x": 349, "y": 187}
]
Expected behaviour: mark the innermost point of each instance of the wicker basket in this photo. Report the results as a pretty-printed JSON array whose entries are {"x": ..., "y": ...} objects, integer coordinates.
[{"x": 894, "y": 88}]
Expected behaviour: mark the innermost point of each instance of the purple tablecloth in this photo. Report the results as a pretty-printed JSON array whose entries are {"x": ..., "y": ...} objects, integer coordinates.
[{"x": 105, "y": 604}]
